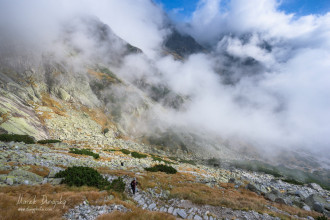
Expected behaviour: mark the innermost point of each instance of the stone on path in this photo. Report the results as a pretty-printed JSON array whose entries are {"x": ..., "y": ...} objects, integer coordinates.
[
  {"x": 197, "y": 217},
  {"x": 182, "y": 213}
]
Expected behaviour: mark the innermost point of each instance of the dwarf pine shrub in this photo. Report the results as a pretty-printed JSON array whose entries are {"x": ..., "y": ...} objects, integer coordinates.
[
  {"x": 48, "y": 141},
  {"x": 124, "y": 151},
  {"x": 162, "y": 168},
  {"x": 84, "y": 152},
  {"x": 83, "y": 176},
  {"x": 118, "y": 185},
  {"x": 138, "y": 155},
  {"x": 17, "y": 138}
]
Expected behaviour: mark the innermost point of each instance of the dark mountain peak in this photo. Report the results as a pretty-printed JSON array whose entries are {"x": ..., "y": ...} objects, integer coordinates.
[{"x": 181, "y": 44}]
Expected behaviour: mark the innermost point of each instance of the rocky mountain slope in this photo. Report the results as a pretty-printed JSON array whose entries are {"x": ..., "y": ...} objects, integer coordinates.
[
  {"x": 195, "y": 192},
  {"x": 79, "y": 97}
]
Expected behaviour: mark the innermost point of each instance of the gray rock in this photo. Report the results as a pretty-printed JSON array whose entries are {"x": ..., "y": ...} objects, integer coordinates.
[
  {"x": 55, "y": 181},
  {"x": 141, "y": 201},
  {"x": 252, "y": 187},
  {"x": 270, "y": 196},
  {"x": 26, "y": 175},
  {"x": 170, "y": 210},
  {"x": 190, "y": 216},
  {"x": 315, "y": 186},
  {"x": 301, "y": 194},
  {"x": 182, "y": 213},
  {"x": 10, "y": 181},
  {"x": 175, "y": 211},
  {"x": 197, "y": 217},
  {"x": 298, "y": 203},
  {"x": 306, "y": 208},
  {"x": 318, "y": 207},
  {"x": 276, "y": 192},
  {"x": 111, "y": 197},
  {"x": 310, "y": 200},
  {"x": 231, "y": 180},
  {"x": 281, "y": 201}
]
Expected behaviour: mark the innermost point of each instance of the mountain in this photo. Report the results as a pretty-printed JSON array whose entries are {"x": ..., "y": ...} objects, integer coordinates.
[
  {"x": 182, "y": 45},
  {"x": 78, "y": 123},
  {"x": 40, "y": 86}
]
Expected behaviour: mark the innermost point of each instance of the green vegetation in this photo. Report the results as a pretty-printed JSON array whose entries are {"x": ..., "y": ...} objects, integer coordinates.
[
  {"x": 105, "y": 130},
  {"x": 159, "y": 159},
  {"x": 118, "y": 185},
  {"x": 48, "y": 141},
  {"x": 257, "y": 166},
  {"x": 183, "y": 160},
  {"x": 293, "y": 176},
  {"x": 322, "y": 218},
  {"x": 17, "y": 138},
  {"x": 174, "y": 158},
  {"x": 162, "y": 168},
  {"x": 188, "y": 161},
  {"x": 84, "y": 152},
  {"x": 110, "y": 150},
  {"x": 109, "y": 73},
  {"x": 80, "y": 176},
  {"x": 138, "y": 155},
  {"x": 292, "y": 181},
  {"x": 86, "y": 176},
  {"x": 125, "y": 151}
]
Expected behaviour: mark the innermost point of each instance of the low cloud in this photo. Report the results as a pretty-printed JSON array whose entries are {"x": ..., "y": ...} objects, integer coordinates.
[{"x": 264, "y": 81}]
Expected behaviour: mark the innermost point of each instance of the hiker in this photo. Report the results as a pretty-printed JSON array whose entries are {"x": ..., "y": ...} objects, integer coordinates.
[{"x": 133, "y": 185}]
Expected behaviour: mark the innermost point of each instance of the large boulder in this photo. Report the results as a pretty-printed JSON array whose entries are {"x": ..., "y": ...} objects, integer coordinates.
[
  {"x": 318, "y": 207},
  {"x": 257, "y": 188},
  {"x": 271, "y": 197},
  {"x": 317, "y": 202},
  {"x": 301, "y": 194},
  {"x": 315, "y": 186},
  {"x": 281, "y": 201},
  {"x": 310, "y": 200}
]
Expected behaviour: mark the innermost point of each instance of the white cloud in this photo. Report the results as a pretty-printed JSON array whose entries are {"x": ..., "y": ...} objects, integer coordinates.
[{"x": 281, "y": 100}]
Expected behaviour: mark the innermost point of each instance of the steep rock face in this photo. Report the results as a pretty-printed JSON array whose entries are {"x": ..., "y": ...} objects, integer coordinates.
[
  {"x": 18, "y": 118},
  {"x": 72, "y": 92},
  {"x": 38, "y": 85}
]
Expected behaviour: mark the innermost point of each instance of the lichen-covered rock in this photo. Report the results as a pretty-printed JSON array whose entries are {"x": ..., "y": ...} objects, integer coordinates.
[
  {"x": 63, "y": 95},
  {"x": 22, "y": 175}
]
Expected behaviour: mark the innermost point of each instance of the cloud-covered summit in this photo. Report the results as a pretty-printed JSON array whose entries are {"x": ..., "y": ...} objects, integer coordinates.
[{"x": 263, "y": 80}]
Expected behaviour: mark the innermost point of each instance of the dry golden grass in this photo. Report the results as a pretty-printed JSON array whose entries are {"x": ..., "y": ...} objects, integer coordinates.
[
  {"x": 105, "y": 170},
  {"x": 101, "y": 76},
  {"x": 296, "y": 211},
  {"x": 72, "y": 195},
  {"x": 99, "y": 117},
  {"x": 54, "y": 105},
  {"x": 183, "y": 186},
  {"x": 241, "y": 199},
  {"x": 137, "y": 214},
  {"x": 4, "y": 117},
  {"x": 4, "y": 171},
  {"x": 39, "y": 170}
]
